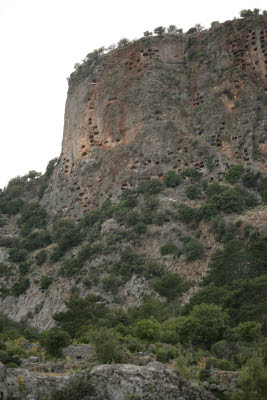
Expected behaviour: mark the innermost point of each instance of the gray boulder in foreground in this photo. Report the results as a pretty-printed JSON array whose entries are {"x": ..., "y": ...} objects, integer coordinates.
[{"x": 109, "y": 382}]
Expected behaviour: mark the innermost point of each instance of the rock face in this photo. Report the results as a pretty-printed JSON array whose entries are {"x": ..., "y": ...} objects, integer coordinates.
[
  {"x": 161, "y": 104},
  {"x": 109, "y": 382}
]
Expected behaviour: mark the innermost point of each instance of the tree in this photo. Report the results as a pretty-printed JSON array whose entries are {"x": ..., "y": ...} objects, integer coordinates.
[
  {"x": 171, "y": 179},
  {"x": 172, "y": 29},
  {"x": 54, "y": 340},
  {"x": 123, "y": 43},
  {"x": 81, "y": 311},
  {"x": 148, "y": 329},
  {"x": 159, "y": 31},
  {"x": 210, "y": 322},
  {"x": 170, "y": 285},
  {"x": 147, "y": 33}
]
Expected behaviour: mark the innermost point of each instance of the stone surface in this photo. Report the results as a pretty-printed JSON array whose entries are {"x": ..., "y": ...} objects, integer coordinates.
[{"x": 110, "y": 382}]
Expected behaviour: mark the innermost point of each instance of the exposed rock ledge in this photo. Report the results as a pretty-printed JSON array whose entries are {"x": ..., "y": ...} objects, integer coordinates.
[{"x": 111, "y": 382}]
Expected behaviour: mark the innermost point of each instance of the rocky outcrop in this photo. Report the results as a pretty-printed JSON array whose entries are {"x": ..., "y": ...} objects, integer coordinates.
[
  {"x": 108, "y": 382},
  {"x": 160, "y": 104}
]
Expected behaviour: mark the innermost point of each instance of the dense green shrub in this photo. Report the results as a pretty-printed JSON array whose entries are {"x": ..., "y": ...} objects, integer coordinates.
[
  {"x": 2, "y": 222},
  {"x": 149, "y": 187},
  {"x": 66, "y": 234},
  {"x": 170, "y": 248},
  {"x": 171, "y": 179},
  {"x": 77, "y": 390},
  {"x": 223, "y": 230},
  {"x": 24, "y": 268},
  {"x": 148, "y": 329},
  {"x": 81, "y": 311},
  {"x": 208, "y": 210},
  {"x": 10, "y": 207},
  {"x": 45, "y": 178},
  {"x": 89, "y": 252},
  {"x": 192, "y": 192},
  {"x": 45, "y": 282},
  {"x": 111, "y": 283},
  {"x": 233, "y": 174},
  {"x": 214, "y": 189},
  {"x": 17, "y": 255},
  {"x": 128, "y": 199},
  {"x": 107, "y": 347},
  {"x": 56, "y": 254},
  {"x": 128, "y": 264},
  {"x": 169, "y": 285},
  {"x": 70, "y": 267},
  {"x": 263, "y": 189},
  {"x": 192, "y": 173},
  {"x": 248, "y": 331},
  {"x": 54, "y": 340},
  {"x": 229, "y": 201},
  {"x": 189, "y": 215},
  {"x": 21, "y": 286},
  {"x": 32, "y": 216},
  {"x": 249, "y": 179},
  {"x": 41, "y": 257},
  {"x": 192, "y": 248},
  {"x": 36, "y": 240}
]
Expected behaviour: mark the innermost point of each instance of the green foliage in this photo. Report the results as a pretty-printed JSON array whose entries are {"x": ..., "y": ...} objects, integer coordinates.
[
  {"x": 248, "y": 331},
  {"x": 224, "y": 231},
  {"x": 21, "y": 286},
  {"x": 148, "y": 329},
  {"x": 41, "y": 257},
  {"x": 192, "y": 192},
  {"x": 189, "y": 215},
  {"x": 36, "y": 240},
  {"x": 10, "y": 207},
  {"x": 89, "y": 252},
  {"x": 76, "y": 391},
  {"x": 247, "y": 13},
  {"x": 17, "y": 255},
  {"x": 81, "y": 311},
  {"x": 24, "y": 268},
  {"x": 10, "y": 328},
  {"x": 150, "y": 187},
  {"x": 192, "y": 173},
  {"x": 32, "y": 216},
  {"x": 2, "y": 222},
  {"x": 171, "y": 179},
  {"x": 253, "y": 381},
  {"x": 209, "y": 322},
  {"x": 192, "y": 248},
  {"x": 159, "y": 31},
  {"x": 45, "y": 178},
  {"x": 169, "y": 285},
  {"x": 208, "y": 295},
  {"x": 66, "y": 234},
  {"x": 249, "y": 179},
  {"x": 229, "y": 201},
  {"x": 233, "y": 174},
  {"x": 228, "y": 264},
  {"x": 54, "y": 340},
  {"x": 45, "y": 282},
  {"x": 263, "y": 189},
  {"x": 107, "y": 347},
  {"x": 128, "y": 264},
  {"x": 208, "y": 210},
  {"x": 70, "y": 267},
  {"x": 170, "y": 248},
  {"x": 111, "y": 283}
]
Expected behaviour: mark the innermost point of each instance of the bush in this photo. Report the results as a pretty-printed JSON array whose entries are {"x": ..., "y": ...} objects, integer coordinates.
[
  {"x": 79, "y": 389},
  {"x": 193, "y": 248},
  {"x": 192, "y": 173},
  {"x": 36, "y": 240},
  {"x": 70, "y": 267},
  {"x": 45, "y": 282},
  {"x": 189, "y": 215},
  {"x": 226, "y": 365},
  {"x": 233, "y": 174},
  {"x": 107, "y": 346},
  {"x": 208, "y": 210},
  {"x": 171, "y": 179},
  {"x": 111, "y": 283},
  {"x": 148, "y": 329},
  {"x": 149, "y": 187},
  {"x": 24, "y": 268},
  {"x": 170, "y": 248},
  {"x": 66, "y": 234},
  {"x": 250, "y": 179},
  {"x": 192, "y": 192},
  {"x": 17, "y": 255},
  {"x": 32, "y": 216},
  {"x": 229, "y": 201},
  {"x": 89, "y": 252},
  {"x": 248, "y": 331},
  {"x": 20, "y": 287},
  {"x": 263, "y": 189},
  {"x": 41, "y": 257},
  {"x": 169, "y": 285},
  {"x": 54, "y": 340},
  {"x": 45, "y": 178}
]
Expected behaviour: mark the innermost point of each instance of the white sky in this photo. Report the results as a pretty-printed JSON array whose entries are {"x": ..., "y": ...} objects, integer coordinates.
[{"x": 41, "y": 40}]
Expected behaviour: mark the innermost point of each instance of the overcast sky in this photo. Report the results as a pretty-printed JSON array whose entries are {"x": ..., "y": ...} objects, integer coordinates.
[{"x": 41, "y": 40}]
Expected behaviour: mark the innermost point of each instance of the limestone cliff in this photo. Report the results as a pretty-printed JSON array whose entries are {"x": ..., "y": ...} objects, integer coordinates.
[{"x": 158, "y": 104}]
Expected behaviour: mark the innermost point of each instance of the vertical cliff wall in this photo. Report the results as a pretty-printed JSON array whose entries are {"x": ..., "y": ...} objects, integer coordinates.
[{"x": 160, "y": 104}]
